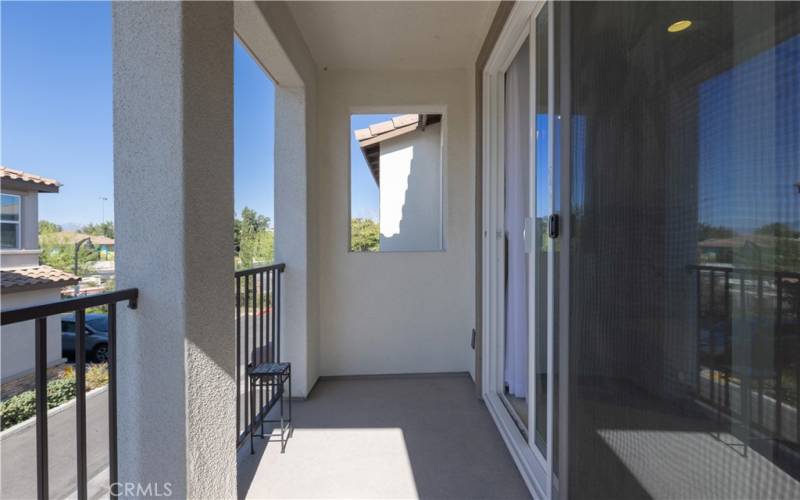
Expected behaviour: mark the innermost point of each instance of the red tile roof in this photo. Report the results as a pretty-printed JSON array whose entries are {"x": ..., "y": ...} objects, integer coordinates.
[
  {"x": 18, "y": 176},
  {"x": 401, "y": 124},
  {"x": 27, "y": 278},
  {"x": 369, "y": 139}
]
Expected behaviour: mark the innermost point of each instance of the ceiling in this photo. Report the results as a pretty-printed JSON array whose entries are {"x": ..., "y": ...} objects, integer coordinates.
[{"x": 394, "y": 35}]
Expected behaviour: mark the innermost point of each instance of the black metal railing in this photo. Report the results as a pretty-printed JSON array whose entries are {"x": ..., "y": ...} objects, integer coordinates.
[
  {"x": 751, "y": 375},
  {"x": 258, "y": 340},
  {"x": 39, "y": 315}
]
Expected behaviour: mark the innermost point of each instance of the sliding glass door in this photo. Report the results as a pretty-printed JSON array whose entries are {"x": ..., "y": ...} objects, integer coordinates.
[{"x": 530, "y": 236}]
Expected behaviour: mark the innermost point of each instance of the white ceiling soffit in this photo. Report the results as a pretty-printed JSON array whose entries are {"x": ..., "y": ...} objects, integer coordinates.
[{"x": 394, "y": 35}]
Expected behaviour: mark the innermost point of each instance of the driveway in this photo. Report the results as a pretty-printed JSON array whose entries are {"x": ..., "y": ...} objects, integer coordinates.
[{"x": 18, "y": 451}]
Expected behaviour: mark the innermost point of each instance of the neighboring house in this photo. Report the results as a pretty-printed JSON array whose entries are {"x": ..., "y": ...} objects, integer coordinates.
[
  {"x": 721, "y": 250},
  {"x": 404, "y": 156},
  {"x": 23, "y": 280}
]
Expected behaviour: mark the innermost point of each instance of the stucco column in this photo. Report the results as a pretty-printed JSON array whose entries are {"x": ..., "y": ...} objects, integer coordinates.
[
  {"x": 291, "y": 230},
  {"x": 173, "y": 183}
]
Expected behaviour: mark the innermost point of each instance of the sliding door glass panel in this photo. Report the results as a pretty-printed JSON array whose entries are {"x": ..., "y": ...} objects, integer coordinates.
[
  {"x": 684, "y": 279},
  {"x": 556, "y": 196},
  {"x": 517, "y": 201},
  {"x": 541, "y": 249}
]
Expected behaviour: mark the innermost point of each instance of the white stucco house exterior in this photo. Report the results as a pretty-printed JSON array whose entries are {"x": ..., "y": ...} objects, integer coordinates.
[
  {"x": 404, "y": 155},
  {"x": 24, "y": 281}
]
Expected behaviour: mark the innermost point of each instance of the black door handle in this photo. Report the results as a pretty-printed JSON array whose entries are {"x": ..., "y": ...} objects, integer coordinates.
[{"x": 552, "y": 226}]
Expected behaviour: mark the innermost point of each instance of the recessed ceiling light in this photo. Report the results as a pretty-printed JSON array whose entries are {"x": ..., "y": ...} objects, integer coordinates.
[{"x": 679, "y": 26}]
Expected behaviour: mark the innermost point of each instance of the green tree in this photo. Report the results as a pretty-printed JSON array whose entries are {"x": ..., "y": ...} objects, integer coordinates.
[
  {"x": 778, "y": 230},
  {"x": 47, "y": 227},
  {"x": 709, "y": 232},
  {"x": 254, "y": 238},
  {"x": 101, "y": 229},
  {"x": 250, "y": 222},
  {"x": 364, "y": 235}
]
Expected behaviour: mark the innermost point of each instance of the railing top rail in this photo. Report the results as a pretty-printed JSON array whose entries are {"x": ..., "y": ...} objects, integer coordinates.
[
  {"x": 69, "y": 305},
  {"x": 741, "y": 270},
  {"x": 255, "y": 270}
]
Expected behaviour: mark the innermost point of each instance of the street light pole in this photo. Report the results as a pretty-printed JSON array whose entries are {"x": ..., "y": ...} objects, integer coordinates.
[{"x": 103, "y": 201}]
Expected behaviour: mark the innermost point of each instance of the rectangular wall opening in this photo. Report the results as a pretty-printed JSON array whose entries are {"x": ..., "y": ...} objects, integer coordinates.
[{"x": 396, "y": 180}]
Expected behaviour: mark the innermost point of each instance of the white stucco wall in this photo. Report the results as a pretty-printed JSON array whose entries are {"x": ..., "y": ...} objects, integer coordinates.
[
  {"x": 19, "y": 258},
  {"x": 17, "y": 341},
  {"x": 411, "y": 191},
  {"x": 395, "y": 312}
]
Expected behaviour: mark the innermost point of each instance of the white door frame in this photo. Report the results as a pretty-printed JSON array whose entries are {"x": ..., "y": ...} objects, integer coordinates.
[{"x": 535, "y": 468}]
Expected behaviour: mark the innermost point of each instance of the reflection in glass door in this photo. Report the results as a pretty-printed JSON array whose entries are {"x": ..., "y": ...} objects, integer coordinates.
[
  {"x": 516, "y": 378},
  {"x": 542, "y": 246},
  {"x": 684, "y": 272}
]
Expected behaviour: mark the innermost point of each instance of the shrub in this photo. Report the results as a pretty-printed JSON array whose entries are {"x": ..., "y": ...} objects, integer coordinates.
[
  {"x": 96, "y": 376},
  {"x": 18, "y": 408},
  {"x": 59, "y": 391}
]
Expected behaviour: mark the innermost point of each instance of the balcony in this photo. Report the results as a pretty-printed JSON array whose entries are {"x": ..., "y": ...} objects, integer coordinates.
[
  {"x": 386, "y": 437},
  {"x": 414, "y": 436}
]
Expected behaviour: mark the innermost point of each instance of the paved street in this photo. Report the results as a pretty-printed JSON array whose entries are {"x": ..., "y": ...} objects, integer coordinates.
[{"x": 18, "y": 468}]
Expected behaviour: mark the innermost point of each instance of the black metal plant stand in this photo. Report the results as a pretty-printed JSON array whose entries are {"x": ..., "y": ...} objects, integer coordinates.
[{"x": 273, "y": 376}]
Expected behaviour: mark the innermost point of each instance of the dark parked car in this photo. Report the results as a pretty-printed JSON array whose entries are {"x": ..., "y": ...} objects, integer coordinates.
[{"x": 96, "y": 342}]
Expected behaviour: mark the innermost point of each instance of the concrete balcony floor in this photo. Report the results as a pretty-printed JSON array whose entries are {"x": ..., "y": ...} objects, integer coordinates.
[{"x": 386, "y": 437}]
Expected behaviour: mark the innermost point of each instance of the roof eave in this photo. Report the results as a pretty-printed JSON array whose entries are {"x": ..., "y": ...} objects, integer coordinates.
[
  {"x": 21, "y": 185},
  {"x": 39, "y": 286}
]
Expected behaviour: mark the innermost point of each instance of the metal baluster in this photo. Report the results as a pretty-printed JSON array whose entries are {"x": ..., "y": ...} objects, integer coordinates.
[
  {"x": 797, "y": 401},
  {"x": 747, "y": 402},
  {"x": 278, "y": 329},
  {"x": 699, "y": 351},
  {"x": 779, "y": 357},
  {"x": 728, "y": 341},
  {"x": 247, "y": 412},
  {"x": 80, "y": 403},
  {"x": 261, "y": 302},
  {"x": 42, "y": 487},
  {"x": 267, "y": 320},
  {"x": 713, "y": 292},
  {"x": 712, "y": 342},
  {"x": 254, "y": 351},
  {"x": 779, "y": 311},
  {"x": 778, "y": 400},
  {"x": 238, "y": 355},
  {"x": 275, "y": 332},
  {"x": 112, "y": 397}
]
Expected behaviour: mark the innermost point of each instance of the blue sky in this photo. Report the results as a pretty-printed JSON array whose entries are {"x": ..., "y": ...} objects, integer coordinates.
[
  {"x": 56, "y": 114},
  {"x": 364, "y": 201},
  {"x": 253, "y": 134},
  {"x": 56, "y": 109},
  {"x": 56, "y": 103}
]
